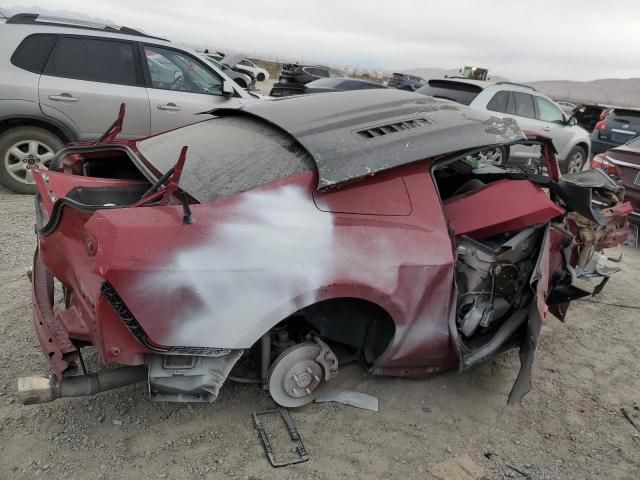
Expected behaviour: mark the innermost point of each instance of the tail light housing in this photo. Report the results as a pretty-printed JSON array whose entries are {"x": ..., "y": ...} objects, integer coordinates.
[
  {"x": 603, "y": 163},
  {"x": 601, "y": 126}
]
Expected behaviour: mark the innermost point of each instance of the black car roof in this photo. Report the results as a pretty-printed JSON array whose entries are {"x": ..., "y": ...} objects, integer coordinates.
[{"x": 354, "y": 134}]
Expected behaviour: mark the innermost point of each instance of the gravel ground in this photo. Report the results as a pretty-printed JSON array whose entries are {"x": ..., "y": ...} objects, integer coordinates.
[{"x": 569, "y": 427}]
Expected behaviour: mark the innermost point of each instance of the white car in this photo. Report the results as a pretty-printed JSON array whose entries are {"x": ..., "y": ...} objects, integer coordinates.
[
  {"x": 240, "y": 63},
  {"x": 530, "y": 109}
]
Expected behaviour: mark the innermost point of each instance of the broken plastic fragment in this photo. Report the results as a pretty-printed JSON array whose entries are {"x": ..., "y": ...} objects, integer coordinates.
[{"x": 348, "y": 397}]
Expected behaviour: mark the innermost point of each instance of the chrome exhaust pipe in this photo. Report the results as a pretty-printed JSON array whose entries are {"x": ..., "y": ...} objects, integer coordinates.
[{"x": 46, "y": 388}]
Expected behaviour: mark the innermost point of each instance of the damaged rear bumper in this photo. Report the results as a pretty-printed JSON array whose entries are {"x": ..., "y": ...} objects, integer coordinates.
[{"x": 56, "y": 345}]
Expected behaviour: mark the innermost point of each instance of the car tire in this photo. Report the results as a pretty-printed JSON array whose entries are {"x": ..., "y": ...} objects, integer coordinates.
[
  {"x": 575, "y": 161},
  {"x": 241, "y": 83},
  {"x": 498, "y": 156},
  {"x": 260, "y": 77},
  {"x": 21, "y": 147}
]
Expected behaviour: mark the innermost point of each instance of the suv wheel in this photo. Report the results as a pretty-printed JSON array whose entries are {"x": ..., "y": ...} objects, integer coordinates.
[
  {"x": 498, "y": 156},
  {"x": 20, "y": 149},
  {"x": 260, "y": 77},
  {"x": 575, "y": 160}
]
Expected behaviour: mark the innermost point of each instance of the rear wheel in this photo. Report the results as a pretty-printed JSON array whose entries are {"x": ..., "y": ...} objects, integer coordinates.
[
  {"x": 21, "y": 149},
  {"x": 260, "y": 77},
  {"x": 575, "y": 160}
]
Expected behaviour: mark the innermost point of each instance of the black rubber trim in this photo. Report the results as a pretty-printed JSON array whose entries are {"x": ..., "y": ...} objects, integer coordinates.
[
  {"x": 138, "y": 332},
  {"x": 58, "y": 208}
]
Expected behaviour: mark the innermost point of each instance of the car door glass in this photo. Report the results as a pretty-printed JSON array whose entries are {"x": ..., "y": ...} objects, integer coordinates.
[
  {"x": 499, "y": 102},
  {"x": 547, "y": 111},
  {"x": 524, "y": 105},
  {"x": 172, "y": 70},
  {"x": 94, "y": 60},
  {"x": 246, "y": 63}
]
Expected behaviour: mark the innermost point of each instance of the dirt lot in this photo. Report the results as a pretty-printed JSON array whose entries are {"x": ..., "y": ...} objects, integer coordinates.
[{"x": 569, "y": 427}]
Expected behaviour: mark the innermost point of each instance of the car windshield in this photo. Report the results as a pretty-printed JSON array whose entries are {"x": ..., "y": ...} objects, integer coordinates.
[{"x": 227, "y": 155}]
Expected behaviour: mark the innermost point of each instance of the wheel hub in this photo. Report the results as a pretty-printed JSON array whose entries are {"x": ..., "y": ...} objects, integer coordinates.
[
  {"x": 303, "y": 378},
  {"x": 24, "y": 155},
  {"x": 297, "y": 377}
]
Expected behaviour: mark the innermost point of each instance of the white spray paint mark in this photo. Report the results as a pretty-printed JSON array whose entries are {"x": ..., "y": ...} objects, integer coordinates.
[{"x": 279, "y": 248}]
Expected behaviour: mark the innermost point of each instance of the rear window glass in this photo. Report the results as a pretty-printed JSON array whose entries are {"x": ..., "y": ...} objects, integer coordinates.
[
  {"x": 499, "y": 102},
  {"x": 33, "y": 52},
  {"x": 94, "y": 60},
  {"x": 621, "y": 112},
  {"x": 227, "y": 155},
  {"x": 460, "y": 92},
  {"x": 524, "y": 105}
]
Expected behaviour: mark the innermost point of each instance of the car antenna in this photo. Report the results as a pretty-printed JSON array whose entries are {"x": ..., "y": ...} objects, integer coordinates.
[{"x": 187, "y": 217}]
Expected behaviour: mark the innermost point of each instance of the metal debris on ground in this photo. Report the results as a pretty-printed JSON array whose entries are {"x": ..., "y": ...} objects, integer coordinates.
[
  {"x": 630, "y": 419},
  {"x": 458, "y": 468},
  {"x": 517, "y": 470},
  {"x": 348, "y": 397},
  {"x": 300, "y": 450}
]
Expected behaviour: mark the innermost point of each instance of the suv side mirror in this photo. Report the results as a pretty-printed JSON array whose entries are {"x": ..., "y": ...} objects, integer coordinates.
[
  {"x": 572, "y": 122},
  {"x": 227, "y": 88}
]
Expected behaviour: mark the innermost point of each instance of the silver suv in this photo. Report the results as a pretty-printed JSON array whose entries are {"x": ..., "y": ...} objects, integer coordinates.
[
  {"x": 63, "y": 81},
  {"x": 529, "y": 108}
]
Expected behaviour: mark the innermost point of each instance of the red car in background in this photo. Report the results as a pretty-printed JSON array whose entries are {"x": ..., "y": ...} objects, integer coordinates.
[
  {"x": 274, "y": 243},
  {"x": 623, "y": 165}
]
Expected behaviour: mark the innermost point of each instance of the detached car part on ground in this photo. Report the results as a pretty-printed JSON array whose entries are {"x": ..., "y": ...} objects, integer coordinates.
[{"x": 275, "y": 243}]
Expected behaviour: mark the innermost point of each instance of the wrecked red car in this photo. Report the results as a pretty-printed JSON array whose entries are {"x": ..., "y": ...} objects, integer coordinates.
[{"x": 274, "y": 243}]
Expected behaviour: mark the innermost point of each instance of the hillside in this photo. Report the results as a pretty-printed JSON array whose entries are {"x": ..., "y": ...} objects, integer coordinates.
[{"x": 614, "y": 91}]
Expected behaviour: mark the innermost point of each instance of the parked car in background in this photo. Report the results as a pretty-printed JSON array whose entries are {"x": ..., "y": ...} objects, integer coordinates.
[
  {"x": 404, "y": 81},
  {"x": 323, "y": 85},
  {"x": 616, "y": 127},
  {"x": 302, "y": 74},
  {"x": 63, "y": 81},
  {"x": 240, "y": 63},
  {"x": 588, "y": 115},
  {"x": 294, "y": 236},
  {"x": 622, "y": 163},
  {"x": 242, "y": 79},
  {"x": 530, "y": 109}
]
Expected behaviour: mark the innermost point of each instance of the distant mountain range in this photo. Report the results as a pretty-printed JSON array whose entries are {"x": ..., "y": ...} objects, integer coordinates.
[{"x": 613, "y": 91}]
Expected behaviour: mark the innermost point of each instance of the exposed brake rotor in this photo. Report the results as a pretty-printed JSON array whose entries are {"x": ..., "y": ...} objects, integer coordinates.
[{"x": 298, "y": 375}]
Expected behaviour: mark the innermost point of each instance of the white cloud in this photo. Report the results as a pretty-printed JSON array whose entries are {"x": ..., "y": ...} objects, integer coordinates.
[{"x": 547, "y": 39}]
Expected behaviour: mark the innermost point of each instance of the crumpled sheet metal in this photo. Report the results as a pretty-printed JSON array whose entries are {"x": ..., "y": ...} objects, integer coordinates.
[
  {"x": 349, "y": 397},
  {"x": 328, "y": 126}
]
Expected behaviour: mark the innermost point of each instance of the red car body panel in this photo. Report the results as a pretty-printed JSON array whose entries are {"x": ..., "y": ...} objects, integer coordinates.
[
  {"x": 527, "y": 205},
  {"x": 251, "y": 259}
]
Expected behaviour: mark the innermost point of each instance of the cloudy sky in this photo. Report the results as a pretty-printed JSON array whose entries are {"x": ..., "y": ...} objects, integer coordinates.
[{"x": 525, "y": 41}]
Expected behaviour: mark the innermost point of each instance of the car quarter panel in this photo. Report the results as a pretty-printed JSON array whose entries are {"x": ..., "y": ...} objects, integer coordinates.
[{"x": 213, "y": 284}]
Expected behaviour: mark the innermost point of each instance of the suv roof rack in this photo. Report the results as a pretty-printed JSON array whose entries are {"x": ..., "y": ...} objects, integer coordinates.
[
  {"x": 37, "y": 19},
  {"x": 516, "y": 84}
]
